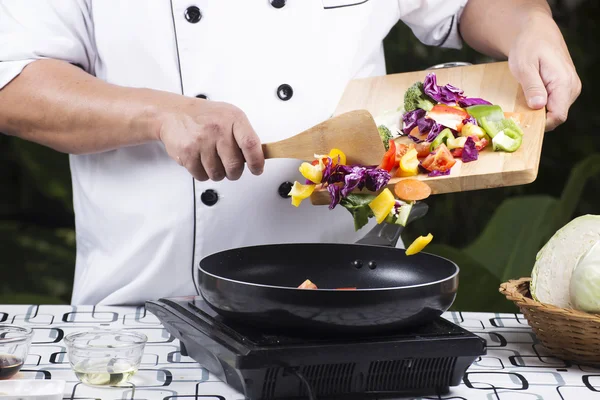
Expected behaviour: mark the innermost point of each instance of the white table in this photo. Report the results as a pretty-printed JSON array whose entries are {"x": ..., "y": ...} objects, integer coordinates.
[{"x": 516, "y": 367}]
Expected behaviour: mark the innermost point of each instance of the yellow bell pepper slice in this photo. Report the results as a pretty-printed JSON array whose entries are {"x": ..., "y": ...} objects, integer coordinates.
[
  {"x": 409, "y": 163},
  {"x": 300, "y": 192},
  {"x": 472, "y": 130},
  {"x": 419, "y": 244},
  {"x": 313, "y": 173},
  {"x": 334, "y": 154},
  {"x": 382, "y": 205}
]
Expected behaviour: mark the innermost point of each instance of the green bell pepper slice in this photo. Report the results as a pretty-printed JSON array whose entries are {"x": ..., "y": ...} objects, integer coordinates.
[
  {"x": 442, "y": 137},
  {"x": 492, "y": 128},
  {"x": 507, "y": 140},
  {"x": 491, "y": 113}
]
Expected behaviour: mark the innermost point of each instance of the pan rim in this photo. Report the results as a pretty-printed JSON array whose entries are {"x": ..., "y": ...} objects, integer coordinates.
[{"x": 396, "y": 288}]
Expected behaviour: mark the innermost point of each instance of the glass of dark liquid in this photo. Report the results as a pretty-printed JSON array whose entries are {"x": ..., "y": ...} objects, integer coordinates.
[{"x": 14, "y": 348}]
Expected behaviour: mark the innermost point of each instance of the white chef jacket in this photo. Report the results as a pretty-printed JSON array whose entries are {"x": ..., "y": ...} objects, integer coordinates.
[{"x": 142, "y": 222}]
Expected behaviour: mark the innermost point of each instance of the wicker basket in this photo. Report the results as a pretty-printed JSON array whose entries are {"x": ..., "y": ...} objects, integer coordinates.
[{"x": 568, "y": 334}]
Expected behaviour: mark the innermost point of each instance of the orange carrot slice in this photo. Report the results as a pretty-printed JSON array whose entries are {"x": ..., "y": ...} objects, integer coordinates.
[{"x": 412, "y": 190}]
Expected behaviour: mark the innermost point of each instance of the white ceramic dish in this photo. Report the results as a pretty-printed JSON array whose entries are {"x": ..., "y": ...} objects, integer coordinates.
[{"x": 31, "y": 389}]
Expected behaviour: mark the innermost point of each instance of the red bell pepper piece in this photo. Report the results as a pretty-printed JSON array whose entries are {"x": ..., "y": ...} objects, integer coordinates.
[
  {"x": 389, "y": 158},
  {"x": 450, "y": 117}
]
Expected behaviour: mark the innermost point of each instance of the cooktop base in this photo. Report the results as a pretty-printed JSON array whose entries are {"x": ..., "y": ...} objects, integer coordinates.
[{"x": 426, "y": 360}]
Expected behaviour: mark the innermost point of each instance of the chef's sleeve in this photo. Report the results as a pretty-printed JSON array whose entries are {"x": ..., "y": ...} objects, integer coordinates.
[
  {"x": 33, "y": 30},
  {"x": 434, "y": 22}
]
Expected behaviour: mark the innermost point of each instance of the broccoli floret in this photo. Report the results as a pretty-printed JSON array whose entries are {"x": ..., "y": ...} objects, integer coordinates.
[
  {"x": 385, "y": 135},
  {"x": 415, "y": 98}
]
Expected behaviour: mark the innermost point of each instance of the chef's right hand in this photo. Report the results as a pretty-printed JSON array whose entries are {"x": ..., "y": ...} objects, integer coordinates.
[{"x": 211, "y": 139}]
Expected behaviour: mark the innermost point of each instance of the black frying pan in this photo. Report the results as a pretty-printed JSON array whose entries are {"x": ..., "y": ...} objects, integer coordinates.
[{"x": 258, "y": 285}]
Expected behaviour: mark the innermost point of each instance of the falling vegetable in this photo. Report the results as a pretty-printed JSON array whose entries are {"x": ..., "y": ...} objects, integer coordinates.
[
  {"x": 412, "y": 190},
  {"x": 382, "y": 205},
  {"x": 419, "y": 244},
  {"x": 300, "y": 192}
]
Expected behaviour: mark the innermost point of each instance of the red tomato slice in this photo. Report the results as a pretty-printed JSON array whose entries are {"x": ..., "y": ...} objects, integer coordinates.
[
  {"x": 481, "y": 144},
  {"x": 426, "y": 163},
  {"x": 401, "y": 150},
  {"x": 457, "y": 153},
  {"x": 325, "y": 161},
  {"x": 441, "y": 161}
]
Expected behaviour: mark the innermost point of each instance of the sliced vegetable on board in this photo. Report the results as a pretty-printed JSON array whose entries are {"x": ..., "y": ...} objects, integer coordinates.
[
  {"x": 409, "y": 164},
  {"x": 443, "y": 125}
]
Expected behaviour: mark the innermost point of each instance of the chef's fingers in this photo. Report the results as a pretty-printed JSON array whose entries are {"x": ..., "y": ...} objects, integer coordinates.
[
  {"x": 231, "y": 157},
  {"x": 563, "y": 90},
  {"x": 528, "y": 75},
  {"x": 194, "y": 166},
  {"x": 212, "y": 163},
  {"x": 249, "y": 143}
]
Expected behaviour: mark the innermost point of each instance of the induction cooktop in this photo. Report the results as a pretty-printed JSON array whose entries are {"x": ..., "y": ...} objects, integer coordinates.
[{"x": 425, "y": 360}]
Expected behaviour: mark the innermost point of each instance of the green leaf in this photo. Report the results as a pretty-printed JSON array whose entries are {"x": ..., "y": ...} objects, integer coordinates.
[
  {"x": 571, "y": 195},
  {"x": 358, "y": 205},
  {"x": 477, "y": 287},
  {"x": 513, "y": 236}
]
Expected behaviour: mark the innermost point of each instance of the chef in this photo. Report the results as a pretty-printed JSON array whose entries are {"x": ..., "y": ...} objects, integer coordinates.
[{"x": 163, "y": 105}]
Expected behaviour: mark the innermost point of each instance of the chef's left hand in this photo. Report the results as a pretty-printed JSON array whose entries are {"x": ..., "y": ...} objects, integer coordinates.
[{"x": 540, "y": 61}]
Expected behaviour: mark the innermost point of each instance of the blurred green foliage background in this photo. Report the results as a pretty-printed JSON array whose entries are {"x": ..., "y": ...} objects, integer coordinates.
[{"x": 493, "y": 234}]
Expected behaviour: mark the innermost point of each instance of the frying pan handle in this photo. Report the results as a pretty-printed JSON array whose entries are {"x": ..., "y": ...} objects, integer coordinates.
[{"x": 385, "y": 234}]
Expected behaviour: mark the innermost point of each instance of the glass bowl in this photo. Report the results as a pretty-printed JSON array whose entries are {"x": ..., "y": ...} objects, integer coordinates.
[
  {"x": 105, "y": 358},
  {"x": 14, "y": 349}
]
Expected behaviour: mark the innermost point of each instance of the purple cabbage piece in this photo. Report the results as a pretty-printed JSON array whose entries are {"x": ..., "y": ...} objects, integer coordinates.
[
  {"x": 354, "y": 177},
  {"x": 415, "y": 139},
  {"x": 439, "y": 173},
  {"x": 335, "y": 194},
  {"x": 411, "y": 119},
  {"x": 435, "y": 131},
  {"x": 448, "y": 94},
  {"x": 376, "y": 179},
  {"x": 431, "y": 88},
  {"x": 472, "y": 101},
  {"x": 425, "y": 125},
  {"x": 470, "y": 120},
  {"x": 353, "y": 180},
  {"x": 469, "y": 152},
  {"x": 328, "y": 169}
]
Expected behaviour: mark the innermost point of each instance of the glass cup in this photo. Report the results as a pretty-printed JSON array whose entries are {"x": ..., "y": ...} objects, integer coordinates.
[
  {"x": 14, "y": 349},
  {"x": 105, "y": 358}
]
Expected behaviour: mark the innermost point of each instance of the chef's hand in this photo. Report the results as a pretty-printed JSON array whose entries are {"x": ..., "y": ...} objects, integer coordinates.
[
  {"x": 212, "y": 140},
  {"x": 540, "y": 61}
]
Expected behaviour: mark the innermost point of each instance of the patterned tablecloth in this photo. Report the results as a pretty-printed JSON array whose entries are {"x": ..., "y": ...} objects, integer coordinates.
[{"x": 516, "y": 366}]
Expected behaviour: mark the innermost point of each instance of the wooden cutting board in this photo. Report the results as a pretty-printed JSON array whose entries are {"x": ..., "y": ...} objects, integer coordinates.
[{"x": 493, "y": 82}]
